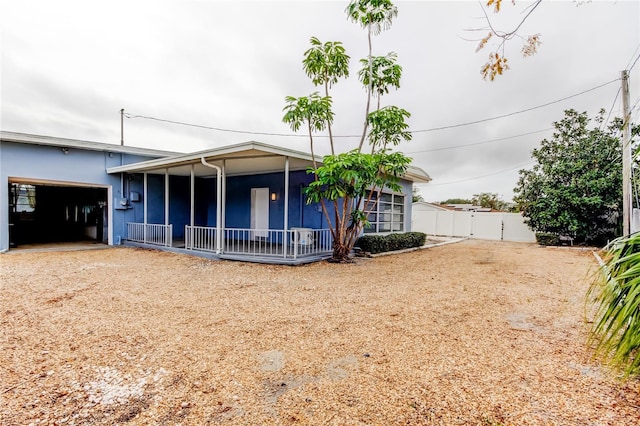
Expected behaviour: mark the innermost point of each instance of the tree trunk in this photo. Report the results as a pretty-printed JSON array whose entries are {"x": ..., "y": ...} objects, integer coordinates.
[{"x": 341, "y": 253}]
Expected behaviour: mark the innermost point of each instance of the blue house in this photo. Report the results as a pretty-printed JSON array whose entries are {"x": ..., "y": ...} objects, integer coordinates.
[{"x": 242, "y": 202}]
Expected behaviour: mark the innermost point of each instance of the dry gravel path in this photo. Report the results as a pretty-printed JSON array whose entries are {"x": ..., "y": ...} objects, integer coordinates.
[{"x": 474, "y": 333}]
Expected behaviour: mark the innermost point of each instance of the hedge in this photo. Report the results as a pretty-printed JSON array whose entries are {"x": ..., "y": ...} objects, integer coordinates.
[{"x": 381, "y": 243}]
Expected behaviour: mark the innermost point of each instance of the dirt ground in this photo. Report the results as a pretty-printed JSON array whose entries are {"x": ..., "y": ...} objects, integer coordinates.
[{"x": 473, "y": 333}]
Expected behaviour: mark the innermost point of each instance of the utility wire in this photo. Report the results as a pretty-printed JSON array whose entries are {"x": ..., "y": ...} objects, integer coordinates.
[
  {"x": 478, "y": 143},
  {"x": 181, "y": 123},
  {"x": 632, "y": 55},
  {"x": 517, "y": 112},
  {"x": 634, "y": 63},
  {"x": 483, "y": 176},
  {"x": 603, "y": 125}
]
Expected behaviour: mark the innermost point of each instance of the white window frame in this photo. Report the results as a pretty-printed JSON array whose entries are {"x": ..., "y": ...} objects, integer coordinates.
[{"x": 396, "y": 218}]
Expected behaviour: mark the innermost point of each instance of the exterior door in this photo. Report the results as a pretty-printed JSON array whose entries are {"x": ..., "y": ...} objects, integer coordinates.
[{"x": 259, "y": 212}]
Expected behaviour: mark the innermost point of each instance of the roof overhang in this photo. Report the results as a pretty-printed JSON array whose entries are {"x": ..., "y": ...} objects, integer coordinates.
[
  {"x": 25, "y": 138},
  {"x": 240, "y": 159},
  {"x": 417, "y": 175}
]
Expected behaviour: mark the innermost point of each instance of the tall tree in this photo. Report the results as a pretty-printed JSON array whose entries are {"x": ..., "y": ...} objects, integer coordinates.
[
  {"x": 489, "y": 200},
  {"x": 350, "y": 182},
  {"x": 575, "y": 187}
]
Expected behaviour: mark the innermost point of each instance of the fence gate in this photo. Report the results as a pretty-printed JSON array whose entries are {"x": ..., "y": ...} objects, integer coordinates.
[{"x": 478, "y": 225}]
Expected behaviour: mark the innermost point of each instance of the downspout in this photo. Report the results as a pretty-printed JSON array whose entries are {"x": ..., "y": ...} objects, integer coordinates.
[
  {"x": 145, "y": 192},
  {"x": 218, "y": 203}
]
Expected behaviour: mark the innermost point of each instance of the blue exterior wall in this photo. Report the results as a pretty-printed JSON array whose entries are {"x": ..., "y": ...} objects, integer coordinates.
[
  {"x": 84, "y": 167},
  {"x": 79, "y": 167},
  {"x": 238, "y": 201}
]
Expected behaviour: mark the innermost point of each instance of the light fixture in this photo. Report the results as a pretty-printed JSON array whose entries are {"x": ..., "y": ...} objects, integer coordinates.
[
  {"x": 274, "y": 196},
  {"x": 65, "y": 150}
]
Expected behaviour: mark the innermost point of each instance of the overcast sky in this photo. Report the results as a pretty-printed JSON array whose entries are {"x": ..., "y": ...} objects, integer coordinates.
[{"x": 68, "y": 67}]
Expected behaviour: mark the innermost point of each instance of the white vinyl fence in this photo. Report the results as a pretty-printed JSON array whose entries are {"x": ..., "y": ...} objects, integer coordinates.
[{"x": 478, "y": 225}]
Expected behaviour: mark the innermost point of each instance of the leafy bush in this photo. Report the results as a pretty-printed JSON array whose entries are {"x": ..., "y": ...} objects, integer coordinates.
[
  {"x": 616, "y": 294},
  {"x": 547, "y": 239},
  {"x": 391, "y": 242}
]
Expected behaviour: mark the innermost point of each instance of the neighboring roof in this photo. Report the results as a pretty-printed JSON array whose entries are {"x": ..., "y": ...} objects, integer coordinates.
[
  {"x": 25, "y": 138},
  {"x": 423, "y": 205},
  {"x": 467, "y": 208}
]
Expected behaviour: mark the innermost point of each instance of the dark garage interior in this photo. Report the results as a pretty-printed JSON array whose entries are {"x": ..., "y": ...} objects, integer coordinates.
[{"x": 47, "y": 213}]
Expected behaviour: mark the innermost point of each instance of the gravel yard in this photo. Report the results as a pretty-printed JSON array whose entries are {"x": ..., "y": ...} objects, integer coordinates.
[{"x": 473, "y": 333}]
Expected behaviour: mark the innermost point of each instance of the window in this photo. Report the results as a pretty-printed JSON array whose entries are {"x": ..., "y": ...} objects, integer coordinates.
[
  {"x": 388, "y": 215},
  {"x": 23, "y": 198}
]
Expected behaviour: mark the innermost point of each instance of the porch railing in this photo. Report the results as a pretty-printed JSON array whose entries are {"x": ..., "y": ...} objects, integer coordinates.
[
  {"x": 200, "y": 238},
  {"x": 309, "y": 242},
  {"x": 150, "y": 233},
  {"x": 254, "y": 242},
  {"x": 291, "y": 244}
]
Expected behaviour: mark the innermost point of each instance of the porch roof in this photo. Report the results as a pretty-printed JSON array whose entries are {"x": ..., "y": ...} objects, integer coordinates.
[{"x": 244, "y": 158}]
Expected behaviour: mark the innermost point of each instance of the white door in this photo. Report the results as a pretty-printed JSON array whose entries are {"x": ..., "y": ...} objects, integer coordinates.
[{"x": 259, "y": 212}]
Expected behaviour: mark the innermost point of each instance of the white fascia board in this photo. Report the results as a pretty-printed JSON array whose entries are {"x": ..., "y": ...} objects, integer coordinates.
[{"x": 216, "y": 152}]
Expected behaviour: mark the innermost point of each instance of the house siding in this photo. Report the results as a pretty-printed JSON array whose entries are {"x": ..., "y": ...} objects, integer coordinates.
[{"x": 78, "y": 167}]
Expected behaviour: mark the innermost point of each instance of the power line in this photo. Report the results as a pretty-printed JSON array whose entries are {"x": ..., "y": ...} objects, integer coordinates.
[
  {"x": 604, "y": 123},
  {"x": 478, "y": 143},
  {"x": 517, "y": 112},
  {"x": 483, "y": 176},
  {"x": 248, "y": 132},
  {"x": 632, "y": 55},
  {"x": 634, "y": 63}
]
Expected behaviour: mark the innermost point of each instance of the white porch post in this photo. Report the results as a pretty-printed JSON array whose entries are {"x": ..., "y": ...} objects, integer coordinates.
[
  {"x": 144, "y": 199},
  {"x": 193, "y": 196},
  {"x": 223, "y": 222},
  {"x": 166, "y": 196},
  {"x": 168, "y": 229},
  {"x": 192, "y": 186},
  {"x": 286, "y": 206},
  {"x": 219, "y": 212}
]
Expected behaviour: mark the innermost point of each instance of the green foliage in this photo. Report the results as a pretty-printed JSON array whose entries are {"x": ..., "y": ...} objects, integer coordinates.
[
  {"x": 547, "y": 239},
  {"x": 352, "y": 175},
  {"x": 325, "y": 63},
  {"x": 383, "y": 243},
  {"x": 313, "y": 110},
  {"x": 616, "y": 293},
  {"x": 415, "y": 195},
  {"x": 456, "y": 201},
  {"x": 489, "y": 200},
  {"x": 386, "y": 73},
  {"x": 350, "y": 180},
  {"x": 575, "y": 187},
  {"x": 375, "y": 15},
  {"x": 388, "y": 127}
]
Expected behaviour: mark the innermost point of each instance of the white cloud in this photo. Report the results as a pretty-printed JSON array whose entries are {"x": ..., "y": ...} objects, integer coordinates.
[{"x": 69, "y": 66}]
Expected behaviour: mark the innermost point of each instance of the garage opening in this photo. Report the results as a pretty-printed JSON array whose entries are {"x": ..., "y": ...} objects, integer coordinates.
[{"x": 55, "y": 213}]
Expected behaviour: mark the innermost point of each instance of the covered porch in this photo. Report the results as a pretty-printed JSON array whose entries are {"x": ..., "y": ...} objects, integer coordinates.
[{"x": 242, "y": 202}]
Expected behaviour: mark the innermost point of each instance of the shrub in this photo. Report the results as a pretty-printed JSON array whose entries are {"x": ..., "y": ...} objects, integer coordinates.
[
  {"x": 547, "y": 239},
  {"x": 391, "y": 242},
  {"x": 373, "y": 243}
]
